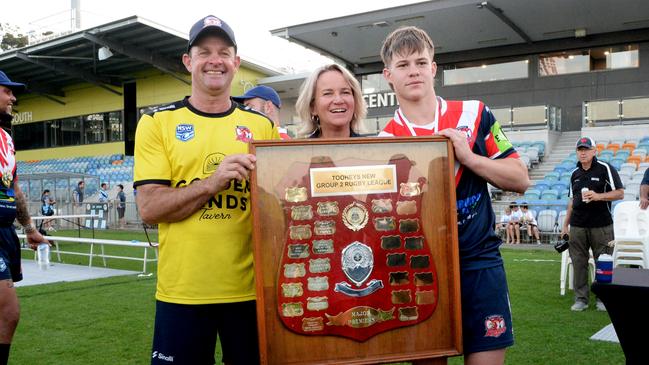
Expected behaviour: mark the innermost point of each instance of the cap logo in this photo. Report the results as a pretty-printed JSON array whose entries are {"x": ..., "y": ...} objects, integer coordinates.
[{"x": 210, "y": 20}]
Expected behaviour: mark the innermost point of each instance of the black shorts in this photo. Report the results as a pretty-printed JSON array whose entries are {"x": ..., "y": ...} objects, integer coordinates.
[
  {"x": 10, "y": 255},
  {"x": 186, "y": 334},
  {"x": 120, "y": 212},
  {"x": 486, "y": 314}
]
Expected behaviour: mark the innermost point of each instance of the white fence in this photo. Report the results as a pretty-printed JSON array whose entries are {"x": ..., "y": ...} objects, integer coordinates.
[{"x": 101, "y": 242}]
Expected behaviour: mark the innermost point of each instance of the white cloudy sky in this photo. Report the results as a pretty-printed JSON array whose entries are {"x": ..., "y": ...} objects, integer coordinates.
[{"x": 251, "y": 20}]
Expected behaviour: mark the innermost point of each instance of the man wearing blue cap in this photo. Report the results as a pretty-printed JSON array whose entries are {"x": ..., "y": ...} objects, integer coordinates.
[
  {"x": 594, "y": 184},
  {"x": 12, "y": 206},
  {"x": 264, "y": 100},
  {"x": 191, "y": 173}
]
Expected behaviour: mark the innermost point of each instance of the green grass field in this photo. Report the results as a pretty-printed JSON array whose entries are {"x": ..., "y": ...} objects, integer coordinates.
[{"x": 109, "y": 321}]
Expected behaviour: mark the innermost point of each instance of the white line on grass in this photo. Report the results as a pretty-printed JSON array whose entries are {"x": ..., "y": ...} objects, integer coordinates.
[{"x": 537, "y": 260}]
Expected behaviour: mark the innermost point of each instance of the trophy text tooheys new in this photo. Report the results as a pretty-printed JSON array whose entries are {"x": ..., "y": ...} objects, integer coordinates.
[{"x": 355, "y": 268}]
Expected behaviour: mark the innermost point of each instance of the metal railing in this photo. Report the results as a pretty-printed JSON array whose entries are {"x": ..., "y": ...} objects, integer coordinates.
[
  {"x": 101, "y": 242},
  {"x": 615, "y": 111}
]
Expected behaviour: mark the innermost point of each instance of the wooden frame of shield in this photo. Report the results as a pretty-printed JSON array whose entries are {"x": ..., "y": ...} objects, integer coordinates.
[{"x": 295, "y": 173}]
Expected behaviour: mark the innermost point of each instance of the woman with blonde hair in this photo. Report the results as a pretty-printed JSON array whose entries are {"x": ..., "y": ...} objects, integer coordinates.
[{"x": 331, "y": 104}]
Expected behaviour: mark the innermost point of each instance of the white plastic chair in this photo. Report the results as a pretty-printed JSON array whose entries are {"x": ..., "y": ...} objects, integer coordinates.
[
  {"x": 568, "y": 273},
  {"x": 631, "y": 231},
  {"x": 547, "y": 220},
  {"x": 628, "y": 168},
  {"x": 633, "y": 187},
  {"x": 630, "y": 253},
  {"x": 638, "y": 175}
]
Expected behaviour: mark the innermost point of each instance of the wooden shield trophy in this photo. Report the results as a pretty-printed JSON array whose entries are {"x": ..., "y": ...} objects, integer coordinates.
[{"x": 356, "y": 254}]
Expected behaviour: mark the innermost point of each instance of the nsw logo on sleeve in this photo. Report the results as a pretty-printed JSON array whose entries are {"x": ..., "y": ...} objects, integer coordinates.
[
  {"x": 243, "y": 134},
  {"x": 185, "y": 132}
]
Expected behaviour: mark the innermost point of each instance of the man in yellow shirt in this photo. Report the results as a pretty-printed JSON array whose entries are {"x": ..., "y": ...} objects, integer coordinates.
[{"x": 191, "y": 175}]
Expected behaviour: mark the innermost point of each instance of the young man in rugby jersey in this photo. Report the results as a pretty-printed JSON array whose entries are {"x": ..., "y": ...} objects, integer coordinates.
[{"x": 483, "y": 154}]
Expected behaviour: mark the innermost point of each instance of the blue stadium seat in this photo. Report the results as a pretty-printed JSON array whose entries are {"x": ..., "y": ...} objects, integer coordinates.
[
  {"x": 552, "y": 176},
  {"x": 542, "y": 185},
  {"x": 623, "y": 154},
  {"x": 610, "y": 153},
  {"x": 532, "y": 194},
  {"x": 617, "y": 163},
  {"x": 550, "y": 194},
  {"x": 559, "y": 186},
  {"x": 540, "y": 145},
  {"x": 605, "y": 158},
  {"x": 559, "y": 169}
]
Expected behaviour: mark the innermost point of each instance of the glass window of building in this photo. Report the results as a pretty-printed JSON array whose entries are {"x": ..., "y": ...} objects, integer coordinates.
[
  {"x": 93, "y": 128},
  {"x": 115, "y": 127},
  {"x": 29, "y": 136},
  {"x": 485, "y": 71},
  {"x": 373, "y": 125},
  {"x": 374, "y": 83},
  {"x": 70, "y": 131},
  {"x": 586, "y": 60}
]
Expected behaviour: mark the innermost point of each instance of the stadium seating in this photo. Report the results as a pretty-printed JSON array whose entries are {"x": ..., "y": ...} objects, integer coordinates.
[
  {"x": 627, "y": 167},
  {"x": 635, "y": 159},
  {"x": 542, "y": 185},
  {"x": 642, "y": 152},
  {"x": 550, "y": 194},
  {"x": 113, "y": 169},
  {"x": 532, "y": 194},
  {"x": 552, "y": 176},
  {"x": 540, "y": 146},
  {"x": 616, "y": 162}
]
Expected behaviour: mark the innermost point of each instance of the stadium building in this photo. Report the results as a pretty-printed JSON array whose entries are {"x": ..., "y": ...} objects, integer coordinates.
[
  {"x": 580, "y": 59},
  {"x": 549, "y": 70},
  {"x": 86, "y": 92}
]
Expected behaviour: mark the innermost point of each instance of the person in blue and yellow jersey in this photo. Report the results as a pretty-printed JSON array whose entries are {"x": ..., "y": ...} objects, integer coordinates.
[
  {"x": 191, "y": 173},
  {"x": 13, "y": 206}
]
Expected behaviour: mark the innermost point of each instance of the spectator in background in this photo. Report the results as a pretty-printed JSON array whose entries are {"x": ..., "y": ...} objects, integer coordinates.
[
  {"x": 47, "y": 209},
  {"x": 77, "y": 194},
  {"x": 644, "y": 190},
  {"x": 264, "y": 100},
  {"x": 528, "y": 221},
  {"x": 103, "y": 193},
  {"x": 77, "y": 200},
  {"x": 120, "y": 203},
  {"x": 593, "y": 186},
  {"x": 515, "y": 223},
  {"x": 504, "y": 224}
]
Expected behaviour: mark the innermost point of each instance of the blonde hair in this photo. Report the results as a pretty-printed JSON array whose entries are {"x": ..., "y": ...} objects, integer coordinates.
[
  {"x": 405, "y": 41},
  {"x": 311, "y": 123}
]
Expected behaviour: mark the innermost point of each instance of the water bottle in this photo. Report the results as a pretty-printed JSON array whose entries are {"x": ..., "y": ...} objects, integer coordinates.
[
  {"x": 604, "y": 270},
  {"x": 43, "y": 251}
]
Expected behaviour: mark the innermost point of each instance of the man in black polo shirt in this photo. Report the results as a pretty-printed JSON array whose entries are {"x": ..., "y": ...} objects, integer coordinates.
[{"x": 593, "y": 185}]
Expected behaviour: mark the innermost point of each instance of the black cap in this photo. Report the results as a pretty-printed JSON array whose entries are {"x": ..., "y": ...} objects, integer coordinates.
[
  {"x": 586, "y": 142},
  {"x": 211, "y": 24}
]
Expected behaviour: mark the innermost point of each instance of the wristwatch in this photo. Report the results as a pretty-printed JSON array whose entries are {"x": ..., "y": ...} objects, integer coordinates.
[{"x": 29, "y": 228}]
